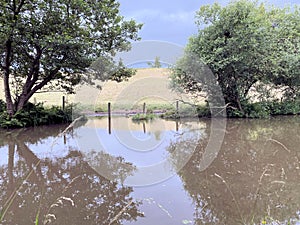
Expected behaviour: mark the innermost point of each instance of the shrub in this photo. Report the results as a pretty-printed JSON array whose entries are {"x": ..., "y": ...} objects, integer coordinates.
[
  {"x": 266, "y": 109},
  {"x": 145, "y": 117},
  {"x": 2, "y": 106},
  {"x": 203, "y": 111},
  {"x": 35, "y": 115},
  {"x": 285, "y": 108},
  {"x": 257, "y": 110}
]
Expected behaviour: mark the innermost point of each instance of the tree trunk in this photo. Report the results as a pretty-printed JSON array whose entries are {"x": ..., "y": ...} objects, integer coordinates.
[
  {"x": 9, "y": 103},
  {"x": 22, "y": 102},
  {"x": 234, "y": 102},
  {"x": 240, "y": 105}
]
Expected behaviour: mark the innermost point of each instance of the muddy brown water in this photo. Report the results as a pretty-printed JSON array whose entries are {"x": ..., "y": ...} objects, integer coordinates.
[{"x": 84, "y": 176}]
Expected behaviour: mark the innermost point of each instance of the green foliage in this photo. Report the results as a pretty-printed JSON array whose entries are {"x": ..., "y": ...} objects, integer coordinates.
[
  {"x": 52, "y": 43},
  {"x": 187, "y": 111},
  {"x": 141, "y": 117},
  {"x": 2, "y": 106},
  {"x": 243, "y": 43},
  {"x": 35, "y": 115},
  {"x": 170, "y": 114},
  {"x": 257, "y": 110},
  {"x": 287, "y": 107},
  {"x": 106, "y": 69},
  {"x": 121, "y": 73},
  {"x": 266, "y": 109},
  {"x": 203, "y": 111}
]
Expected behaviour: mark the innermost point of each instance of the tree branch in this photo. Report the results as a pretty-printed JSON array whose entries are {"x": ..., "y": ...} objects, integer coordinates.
[
  {"x": 20, "y": 6},
  {"x": 44, "y": 82},
  {"x": 34, "y": 70}
]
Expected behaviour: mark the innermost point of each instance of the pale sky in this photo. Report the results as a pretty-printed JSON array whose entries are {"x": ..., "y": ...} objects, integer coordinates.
[{"x": 171, "y": 20}]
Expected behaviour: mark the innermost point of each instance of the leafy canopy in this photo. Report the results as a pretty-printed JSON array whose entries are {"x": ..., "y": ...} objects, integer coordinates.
[
  {"x": 54, "y": 41},
  {"x": 243, "y": 44}
]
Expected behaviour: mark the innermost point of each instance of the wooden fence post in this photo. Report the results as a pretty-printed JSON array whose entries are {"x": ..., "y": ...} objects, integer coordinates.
[
  {"x": 63, "y": 103},
  {"x": 144, "y": 108},
  {"x": 109, "y": 117}
]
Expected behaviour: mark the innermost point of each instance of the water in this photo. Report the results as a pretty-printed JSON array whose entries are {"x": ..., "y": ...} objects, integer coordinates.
[{"x": 161, "y": 172}]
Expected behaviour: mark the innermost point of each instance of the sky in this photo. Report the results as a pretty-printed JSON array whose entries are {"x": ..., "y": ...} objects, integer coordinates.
[{"x": 171, "y": 20}]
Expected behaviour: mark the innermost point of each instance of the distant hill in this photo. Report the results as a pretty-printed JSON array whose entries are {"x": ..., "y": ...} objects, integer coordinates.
[{"x": 149, "y": 85}]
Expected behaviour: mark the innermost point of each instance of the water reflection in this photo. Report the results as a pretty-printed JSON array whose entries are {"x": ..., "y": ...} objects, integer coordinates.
[
  {"x": 60, "y": 190},
  {"x": 143, "y": 144},
  {"x": 254, "y": 179}
]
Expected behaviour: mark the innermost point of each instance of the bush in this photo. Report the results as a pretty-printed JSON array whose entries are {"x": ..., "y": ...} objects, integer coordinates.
[
  {"x": 188, "y": 112},
  {"x": 257, "y": 110},
  {"x": 263, "y": 109},
  {"x": 143, "y": 117},
  {"x": 171, "y": 114},
  {"x": 2, "y": 106},
  {"x": 285, "y": 108},
  {"x": 266, "y": 109},
  {"x": 203, "y": 111},
  {"x": 35, "y": 115}
]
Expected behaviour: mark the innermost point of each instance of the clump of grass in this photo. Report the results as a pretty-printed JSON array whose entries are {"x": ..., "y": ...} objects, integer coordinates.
[
  {"x": 143, "y": 117},
  {"x": 172, "y": 114},
  {"x": 187, "y": 111},
  {"x": 159, "y": 106}
]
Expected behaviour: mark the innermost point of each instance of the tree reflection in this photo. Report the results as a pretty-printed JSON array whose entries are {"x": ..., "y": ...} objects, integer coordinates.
[
  {"x": 255, "y": 177},
  {"x": 65, "y": 190}
]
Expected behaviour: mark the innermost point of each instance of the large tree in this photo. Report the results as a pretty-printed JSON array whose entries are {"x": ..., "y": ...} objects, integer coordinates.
[
  {"x": 244, "y": 44},
  {"x": 51, "y": 42}
]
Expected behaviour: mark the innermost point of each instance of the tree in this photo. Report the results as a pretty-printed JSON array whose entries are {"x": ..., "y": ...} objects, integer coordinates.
[
  {"x": 156, "y": 63},
  {"x": 241, "y": 44},
  {"x": 44, "y": 43},
  {"x": 287, "y": 44}
]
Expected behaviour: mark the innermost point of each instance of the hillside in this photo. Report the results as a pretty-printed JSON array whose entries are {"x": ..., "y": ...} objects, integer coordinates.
[{"x": 149, "y": 85}]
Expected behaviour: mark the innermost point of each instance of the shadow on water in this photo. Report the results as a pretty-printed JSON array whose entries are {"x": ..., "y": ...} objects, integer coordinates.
[
  {"x": 63, "y": 190},
  {"x": 254, "y": 179}
]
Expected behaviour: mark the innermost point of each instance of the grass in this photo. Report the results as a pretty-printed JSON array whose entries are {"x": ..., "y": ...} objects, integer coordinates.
[
  {"x": 151, "y": 107},
  {"x": 148, "y": 85},
  {"x": 143, "y": 117}
]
